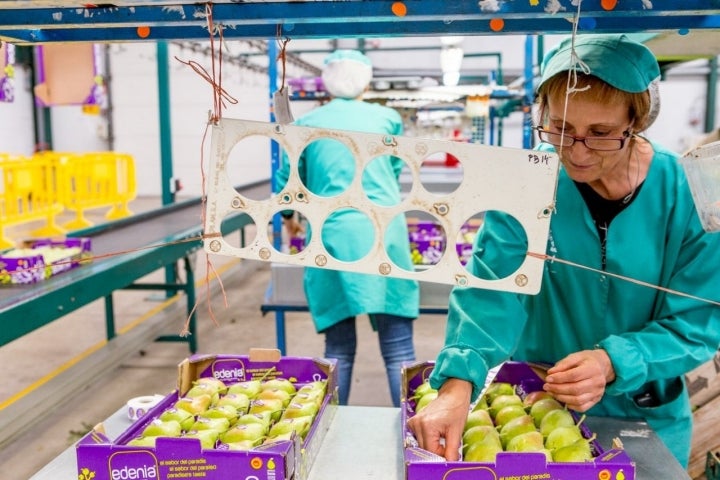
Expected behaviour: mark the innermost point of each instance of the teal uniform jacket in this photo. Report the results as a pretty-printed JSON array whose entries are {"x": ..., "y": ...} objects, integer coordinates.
[
  {"x": 652, "y": 337},
  {"x": 326, "y": 168}
]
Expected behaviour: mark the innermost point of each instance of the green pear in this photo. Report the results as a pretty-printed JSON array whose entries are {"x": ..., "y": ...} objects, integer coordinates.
[
  {"x": 244, "y": 445},
  {"x": 159, "y": 428},
  {"x": 194, "y": 405},
  {"x": 578, "y": 451},
  {"x": 220, "y": 425},
  {"x": 496, "y": 389},
  {"x": 273, "y": 405},
  {"x": 239, "y": 401},
  {"x": 227, "y": 412},
  {"x": 506, "y": 414},
  {"x": 541, "y": 407},
  {"x": 480, "y": 434},
  {"x": 515, "y": 427},
  {"x": 279, "y": 384},
  {"x": 216, "y": 384},
  {"x": 533, "y": 397},
  {"x": 208, "y": 438},
  {"x": 183, "y": 417},
  {"x": 295, "y": 410},
  {"x": 480, "y": 404},
  {"x": 554, "y": 419},
  {"x": 308, "y": 396},
  {"x": 502, "y": 401},
  {"x": 478, "y": 417},
  {"x": 200, "y": 389},
  {"x": 299, "y": 425},
  {"x": 421, "y": 390},
  {"x": 263, "y": 418},
  {"x": 562, "y": 437},
  {"x": 275, "y": 393},
  {"x": 279, "y": 438},
  {"x": 249, "y": 387},
  {"x": 314, "y": 386},
  {"x": 484, "y": 451},
  {"x": 425, "y": 400},
  {"x": 531, "y": 441},
  {"x": 238, "y": 433},
  {"x": 142, "y": 442}
]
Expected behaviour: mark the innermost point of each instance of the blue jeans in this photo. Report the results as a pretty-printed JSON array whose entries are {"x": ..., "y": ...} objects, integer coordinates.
[{"x": 395, "y": 335}]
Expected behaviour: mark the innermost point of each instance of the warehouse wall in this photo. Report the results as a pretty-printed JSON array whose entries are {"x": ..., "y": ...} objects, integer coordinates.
[{"x": 134, "y": 117}]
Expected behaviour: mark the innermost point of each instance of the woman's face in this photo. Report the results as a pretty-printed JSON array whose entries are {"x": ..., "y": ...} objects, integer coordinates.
[{"x": 587, "y": 117}]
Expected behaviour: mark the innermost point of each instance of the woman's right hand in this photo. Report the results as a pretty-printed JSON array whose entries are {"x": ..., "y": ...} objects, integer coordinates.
[{"x": 438, "y": 427}]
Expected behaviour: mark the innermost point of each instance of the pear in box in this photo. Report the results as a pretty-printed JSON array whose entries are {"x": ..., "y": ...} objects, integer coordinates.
[
  {"x": 227, "y": 412},
  {"x": 159, "y": 428},
  {"x": 480, "y": 434},
  {"x": 295, "y": 410},
  {"x": 220, "y": 425},
  {"x": 183, "y": 417},
  {"x": 529, "y": 442},
  {"x": 273, "y": 405},
  {"x": 263, "y": 418},
  {"x": 194, "y": 405},
  {"x": 541, "y": 407},
  {"x": 578, "y": 451},
  {"x": 496, "y": 389},
  {"x": 478, "y": 417},
  {"x": 271, "y": 393},
  {"x": 554, "y": 419},
  {"x": 502, "y": 401},
  {"x": 279, "y": 384},
  {"x": 515, "y": 427},
  {"x": 142, "y": 442},
  {"x": 244, "y": 432},
  {"x": 299, "y": 425},
  {"x": 506, "y": 414},
  {"x": 208, "y": 438},
  {"x": 216, "y": 384},
  {"x": 239, "y": 401}
]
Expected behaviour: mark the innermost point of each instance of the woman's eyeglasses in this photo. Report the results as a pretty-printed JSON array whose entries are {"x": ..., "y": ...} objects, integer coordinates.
[{"x": 603, "y": 144}]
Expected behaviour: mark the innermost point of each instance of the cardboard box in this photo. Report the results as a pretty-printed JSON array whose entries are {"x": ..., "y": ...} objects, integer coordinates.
[
  {"x": 28, "y": 264},
  {"x": 101, "y": 458},
  {"x": 423, "y": 465}
]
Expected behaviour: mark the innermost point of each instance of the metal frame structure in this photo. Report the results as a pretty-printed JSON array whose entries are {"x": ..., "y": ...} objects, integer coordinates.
[{"x": 40, "y": 21}]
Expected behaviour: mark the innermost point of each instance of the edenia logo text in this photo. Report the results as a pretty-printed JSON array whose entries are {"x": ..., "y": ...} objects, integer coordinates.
[
  {"x": 137, "y": 473},
  {"x": 227, "y": 374}
]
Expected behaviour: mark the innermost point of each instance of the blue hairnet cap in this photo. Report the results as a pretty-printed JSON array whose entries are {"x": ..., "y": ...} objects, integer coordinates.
[
  {"x": 347, "y": 73},
  {"x": 354, "y": 55},
  {"x": 614, "y": 58}
]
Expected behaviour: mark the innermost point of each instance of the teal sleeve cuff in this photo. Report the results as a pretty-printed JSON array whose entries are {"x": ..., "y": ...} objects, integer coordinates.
[
  {"x": 287, "y": 214},
  {"x": 462, "y": 363},
  {"x": 629, "y": 364}
]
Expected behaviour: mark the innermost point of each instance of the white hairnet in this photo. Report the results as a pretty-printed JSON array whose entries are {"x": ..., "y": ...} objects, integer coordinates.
[{"x": 347, "y": 73}]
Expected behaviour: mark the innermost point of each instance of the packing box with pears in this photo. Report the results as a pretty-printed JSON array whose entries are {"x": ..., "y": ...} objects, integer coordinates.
[
  {"x": 260, "y": 416},
  {"x": 514, "y": 431}
]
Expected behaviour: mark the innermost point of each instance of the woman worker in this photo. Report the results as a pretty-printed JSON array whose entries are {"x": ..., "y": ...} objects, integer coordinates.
[
  {"x": 623, "y": 206},
  {"x": 326, "y": 168}
]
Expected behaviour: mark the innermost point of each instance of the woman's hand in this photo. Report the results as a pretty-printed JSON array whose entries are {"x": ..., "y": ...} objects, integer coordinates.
[
  {"x": 438, "y": 427},
  {"x": 579, "y": 379}
]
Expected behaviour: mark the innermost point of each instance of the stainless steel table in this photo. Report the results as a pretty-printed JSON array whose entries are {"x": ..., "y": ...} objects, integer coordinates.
[{"x": 365, "y": 443}]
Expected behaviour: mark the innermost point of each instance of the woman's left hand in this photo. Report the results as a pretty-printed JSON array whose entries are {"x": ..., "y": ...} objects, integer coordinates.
[{"x": 579, "y": 379}]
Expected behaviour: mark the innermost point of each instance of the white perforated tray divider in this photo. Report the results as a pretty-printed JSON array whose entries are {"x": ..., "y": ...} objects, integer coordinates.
[
  {"x": 702, "y": 167},
  {"x": 516, "y": 181}
]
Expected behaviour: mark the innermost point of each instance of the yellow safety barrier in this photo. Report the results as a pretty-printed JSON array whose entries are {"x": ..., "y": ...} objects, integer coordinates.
[
  {"x": 27, "y": 194},
  {"x": 93, "y": 180}
]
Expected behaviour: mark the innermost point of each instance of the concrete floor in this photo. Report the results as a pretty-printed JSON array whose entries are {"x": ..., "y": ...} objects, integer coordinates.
[{"x": 235, "y": 329}]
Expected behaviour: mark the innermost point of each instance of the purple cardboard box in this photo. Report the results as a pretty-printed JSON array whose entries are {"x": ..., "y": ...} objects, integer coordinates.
[
  {"x": 612, "y": 464},
  {"x": 31, "y": 268},
  {"x": 100, "y": 458}
]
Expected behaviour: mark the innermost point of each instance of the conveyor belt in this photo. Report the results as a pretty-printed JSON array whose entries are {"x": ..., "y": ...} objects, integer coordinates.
[{"x": 164, "y": 231}]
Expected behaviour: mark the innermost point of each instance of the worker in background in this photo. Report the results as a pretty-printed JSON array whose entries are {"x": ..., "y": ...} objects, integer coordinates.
[
  {"x": 326, "y": 167},
  {"x": 623, "y": 207}
]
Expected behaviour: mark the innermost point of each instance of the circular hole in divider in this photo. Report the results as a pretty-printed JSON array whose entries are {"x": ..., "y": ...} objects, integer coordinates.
[
  {"x": 327, "y": 167},
  {"x": 238, "y": 229},
  {"x": 348, "y": 234},
  {"x": 247, "y": 162},
  {"x": 378, "y": 180},
  {"x": 426, "y": 240},
  {"x": 504, "y": 246}
]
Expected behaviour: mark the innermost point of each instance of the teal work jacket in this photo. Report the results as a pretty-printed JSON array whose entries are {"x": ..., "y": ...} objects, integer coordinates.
[
  {"x": 326, "y": 168},
  {"x": 652, "y": 337}
]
